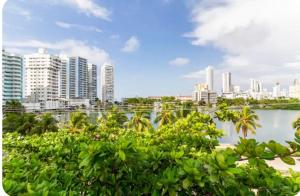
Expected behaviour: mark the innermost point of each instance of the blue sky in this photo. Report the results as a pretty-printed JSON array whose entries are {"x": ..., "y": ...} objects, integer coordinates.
[{"x": 159, "y": 47}]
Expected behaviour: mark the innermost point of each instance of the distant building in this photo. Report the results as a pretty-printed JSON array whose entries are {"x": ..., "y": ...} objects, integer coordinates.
[
  {"x": 78, "y": 78},
  {"x": 92, "y": 83},
  {"x": 276, "y": 91},
  {"x": 107, "y": 83},
  {"x": 12, "y": 76},
  {"x": 226, "y": 83},
  {"x": 210, "y": 78},
  {"x": 184, "y": 98},
  {"x": 42, "y": 71},
  {"x": 202, "y": 93},
  {"x": 63, "y": 78},
  {"x": 294, "y": 90}
]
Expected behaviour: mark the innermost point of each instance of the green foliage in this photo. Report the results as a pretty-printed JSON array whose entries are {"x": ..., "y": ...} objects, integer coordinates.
[
  {"x": 115, "y": 118},
  {"x": 29, "y": 123},
  {"x": 78, "y": 121},
  {"x": 13, "y": 106},
  {"x": 296, "y": 124},
  {"x": 246, "y": 120},
  {"x": 224, "y": 114},
  {"x": 178, "y": 158}
]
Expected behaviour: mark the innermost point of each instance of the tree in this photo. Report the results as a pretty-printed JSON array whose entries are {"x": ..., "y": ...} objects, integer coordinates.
[
  {"x": 27, "y": 122},
  {"x": 13, "y": 106},
  {"x": 166, "y": 115},
  {"x": 246, "y": 120},
  {"x": 78, "y": 121},
  {"x": 47, "y": 123},
  {"x": 115, "y": 117},
  {"x": 140, "y": 121},
  {"x": 185, "y": 109},
  {"x": 296, "y": 125}
]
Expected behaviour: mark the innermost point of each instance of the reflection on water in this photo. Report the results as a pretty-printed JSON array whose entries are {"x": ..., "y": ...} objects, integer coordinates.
[{"x": 276, "y": 125}]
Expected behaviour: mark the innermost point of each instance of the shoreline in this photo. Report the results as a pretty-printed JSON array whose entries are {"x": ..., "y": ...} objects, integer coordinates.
[{"x": 276, "y": 163}]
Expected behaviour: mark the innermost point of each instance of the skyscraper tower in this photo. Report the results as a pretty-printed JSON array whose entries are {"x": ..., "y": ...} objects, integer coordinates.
[
  {"x": 78, "y": 78},
  {"x": 107, "y": 83},
  {"x": 12, "y": 76},
  {"x": 210, "y": 78},
  {"x": 226, "y": 82}
]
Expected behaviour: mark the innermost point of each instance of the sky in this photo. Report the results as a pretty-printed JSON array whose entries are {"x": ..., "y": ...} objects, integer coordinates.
[{"x": 162, "y": 47}]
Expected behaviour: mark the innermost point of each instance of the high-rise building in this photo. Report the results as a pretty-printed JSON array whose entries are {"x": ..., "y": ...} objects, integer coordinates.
[
  {"x": 78, "y": 78},
  {"x": 42, "y": 70},
  {"x": 255, "y": 86},
  {"x": 294, "y": 90},
  {"x": 12, "y": 76},
  {"x": 210, "y": 78},
  {"x": 63, "y": 77},
  {"x": 107, "y": 83},
  {"x": 226, "y": 83},
  {"x": 92, "y": 82},
  {"x": 276, "y": 91}
]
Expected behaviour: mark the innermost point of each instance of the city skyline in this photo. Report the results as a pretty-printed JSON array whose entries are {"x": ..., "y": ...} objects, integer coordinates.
[{"x": 149, "y": 50}]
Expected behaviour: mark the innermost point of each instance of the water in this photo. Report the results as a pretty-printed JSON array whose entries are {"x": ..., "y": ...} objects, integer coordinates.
[{"x": 276, "y": 125}]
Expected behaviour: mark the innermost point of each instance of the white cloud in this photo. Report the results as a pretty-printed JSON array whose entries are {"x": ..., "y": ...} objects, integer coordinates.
[
  {"x": 15, "y": 9},
  {"x": 77, "y": 26},
  {"x": 115, "y": 36},
  {"x": 258, "y": 37},
  {"x": 131, "y": 45},
  {"x": 179, "y": 61},
  {"x": 69, "y": 47},
  {"x": 89, "y": 7}
]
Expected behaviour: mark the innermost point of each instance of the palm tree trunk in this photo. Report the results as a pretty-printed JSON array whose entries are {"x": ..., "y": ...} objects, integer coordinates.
[{"x": 244, "y": 129}]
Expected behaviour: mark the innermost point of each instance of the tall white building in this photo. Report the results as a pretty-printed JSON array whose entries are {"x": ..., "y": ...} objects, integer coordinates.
[
  {"x": 12, "y": 76},
  {"x": 107, "y": 83},
  {"x": 255, "y": 86},
  {"x": 294, "y": 90},
  {"x": 78, "y": 78},
  {"x": 63, "y": 78},
  {"x": 276, "y": 91},
  {"x": 42, "y": 70},
  {"x": 226, "y": 83},
  {"x": 92, "y": 82},
  {"x": 210, "y": 78}
]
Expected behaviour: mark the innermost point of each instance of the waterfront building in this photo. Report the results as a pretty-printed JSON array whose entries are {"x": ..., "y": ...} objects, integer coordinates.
[
  {"x": 294, "y": 90},
  {"x": 255, "y": 86},
  {"x": 107, "y": 83},
  {"x": 42, "y": 71},
  {"x": 12, "y": 76},
  {"x": 276, "y": 91},
  {"x": 78, "y": 78},
  {"x": 92, "y": 83},
  {"x": 202, "y": 93},
  {"x": 226, "y": 83},
  {"x": 210, "y": 78}
]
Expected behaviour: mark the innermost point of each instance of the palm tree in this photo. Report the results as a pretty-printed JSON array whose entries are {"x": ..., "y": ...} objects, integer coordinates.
[
  {"x": 27, "y": 123},
  {"x": 47, "y": 123},
  {"x": 140, "y": 121},
  {"x": 166, "y": 116},
  {"x": 13, "y": 106},
  {"x": 296, "y": 124},
  {"x": 185, "y": 109},
  {"x": 246, "y": 121},
  {"x": 114, "y": 118},
  {"x": 78, "y": 121}
]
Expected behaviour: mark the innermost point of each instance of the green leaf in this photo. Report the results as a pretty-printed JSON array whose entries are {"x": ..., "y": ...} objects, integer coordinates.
[
  {"x": 186, "y": 183},
  {"x": 122, "y": 155},
  {"x": 288, "y": 160}
]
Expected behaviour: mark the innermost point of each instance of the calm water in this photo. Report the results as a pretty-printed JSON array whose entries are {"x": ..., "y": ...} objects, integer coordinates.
[{"x": 276, "y": 125}]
